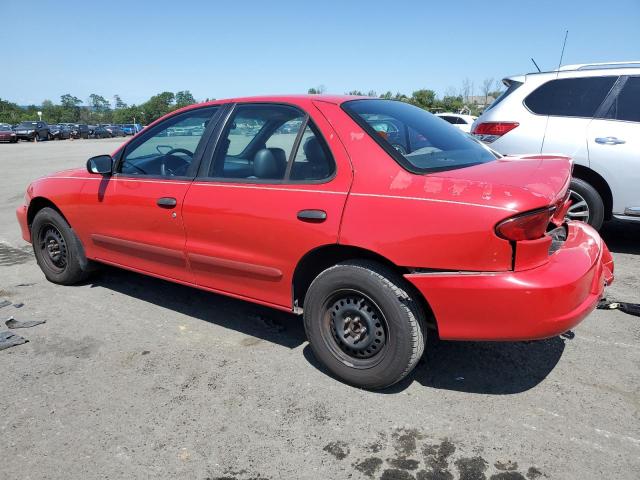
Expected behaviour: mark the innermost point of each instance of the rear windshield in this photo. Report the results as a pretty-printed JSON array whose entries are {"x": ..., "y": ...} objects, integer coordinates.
[{"x": 418, "y": 140}]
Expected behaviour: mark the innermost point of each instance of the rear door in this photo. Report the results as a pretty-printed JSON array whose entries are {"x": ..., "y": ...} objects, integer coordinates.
[
  {"x": 273, "y": 189},
  {"x": 614, "y": 145},
  {"x": 133, "y": 218}
]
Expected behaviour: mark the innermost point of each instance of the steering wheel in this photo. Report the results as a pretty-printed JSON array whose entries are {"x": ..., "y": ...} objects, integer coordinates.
[{"x": 175, "y": 170}]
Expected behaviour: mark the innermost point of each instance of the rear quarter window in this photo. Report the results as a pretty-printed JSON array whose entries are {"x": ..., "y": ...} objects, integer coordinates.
[
  {"x": 421, "y": 142},
  {"x": 570, "y": 97},
  {"x": 626, "y": 106}
]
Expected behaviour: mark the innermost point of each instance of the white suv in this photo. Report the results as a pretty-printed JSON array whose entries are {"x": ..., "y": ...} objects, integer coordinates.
[{"x": 588, "y": 112}]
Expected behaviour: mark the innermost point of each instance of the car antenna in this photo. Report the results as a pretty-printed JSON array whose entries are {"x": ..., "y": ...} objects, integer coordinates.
[
  {"x": 534, "y": 62},
  {"x": 566, "y": 34}
]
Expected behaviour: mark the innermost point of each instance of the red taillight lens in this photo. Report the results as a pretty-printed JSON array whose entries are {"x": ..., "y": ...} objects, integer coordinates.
[
  {"x": 496, "y": 129},
  {"x": 525, "y": 226}
]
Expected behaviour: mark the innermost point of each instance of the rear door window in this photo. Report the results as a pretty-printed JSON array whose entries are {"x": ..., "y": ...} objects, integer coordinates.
[
  {"x": 271, "y": 143},
  {"x": 626, "y": 106},
  {"x": 570, "y": 97}
]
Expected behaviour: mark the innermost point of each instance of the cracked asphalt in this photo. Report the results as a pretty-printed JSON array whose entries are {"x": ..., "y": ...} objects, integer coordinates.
[{"x": 133, "y": 377}]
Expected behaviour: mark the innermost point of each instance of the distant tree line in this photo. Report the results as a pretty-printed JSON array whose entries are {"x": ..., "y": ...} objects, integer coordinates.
[
  {"x": 452, "y": 101},
  {"x": 97, "y": 109}
]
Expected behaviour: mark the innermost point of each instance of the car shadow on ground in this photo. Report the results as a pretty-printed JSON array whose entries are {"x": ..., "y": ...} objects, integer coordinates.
[
  {"x": 622, "y": 237},
  {"x": 496, "y": 368},
  {"x": 265, "y": 323},
  {"x": 493, "y": 368}
]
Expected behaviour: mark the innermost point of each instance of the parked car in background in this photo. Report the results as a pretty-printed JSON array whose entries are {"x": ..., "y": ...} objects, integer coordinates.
[
  {"x": 33, "y": 131},
  {"x": 59, "y": 132},
  {"x": 371, "y": 245},
  {"x": 131, "y": 128},
  {"x": 7, "y": 134},
  {"x": 463, "y": 122},
  {"x": 590, "y": 112},
  {"x": 79, "y": 130},
  {"x": 98, "y": 131},
  {"x": 114, "y": 130}
]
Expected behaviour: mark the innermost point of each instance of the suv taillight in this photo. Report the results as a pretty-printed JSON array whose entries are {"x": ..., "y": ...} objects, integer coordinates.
[
  {"x": 491, "y": 131},
  {"x": 525, "y": 226}
]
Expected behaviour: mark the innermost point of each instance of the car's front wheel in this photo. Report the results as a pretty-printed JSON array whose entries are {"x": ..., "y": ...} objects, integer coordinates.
[
  {"x": 586, "y": 204},
  {"x": 57, "y": 249},
  {"x": 364, "y": 324}
]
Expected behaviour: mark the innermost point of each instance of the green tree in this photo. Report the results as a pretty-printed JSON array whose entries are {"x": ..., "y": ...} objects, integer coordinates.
[
  {"x": 184, "y": 98},
  {"x": 10, "y": 112},
  {"x": 118, "y": 103},
  {"x": 98, "y": 103},
  {"x": 157, "y": 106},
  {"x": 68, "y": 101},
  {"x": 70, "y": 108},
  {"x": 424, "y": 98},
  {"x": 320, "y": 89},
  {"x": 451, "y": 103}
]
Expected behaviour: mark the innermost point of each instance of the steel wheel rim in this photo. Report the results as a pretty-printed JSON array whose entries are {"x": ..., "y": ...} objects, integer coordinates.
[
  {"x": 579, "y": 209},
  {"x": 354, "y": 328},
  {"x": 53, "y": 248}
]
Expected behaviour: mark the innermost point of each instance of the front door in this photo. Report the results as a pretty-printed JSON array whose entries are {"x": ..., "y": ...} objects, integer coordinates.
[
  {"x": 135, "y": 218},
  {"x": 273, "y": 190}
]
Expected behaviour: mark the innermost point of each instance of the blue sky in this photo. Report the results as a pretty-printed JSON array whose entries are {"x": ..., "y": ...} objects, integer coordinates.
[{"x": 232, "y": 48}]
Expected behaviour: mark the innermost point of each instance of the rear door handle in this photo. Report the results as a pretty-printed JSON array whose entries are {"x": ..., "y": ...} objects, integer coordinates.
[
  {"x": 312, "y": 216},
  {"x": 167, "y": 202},
  {"x": 609, "y": 141}
]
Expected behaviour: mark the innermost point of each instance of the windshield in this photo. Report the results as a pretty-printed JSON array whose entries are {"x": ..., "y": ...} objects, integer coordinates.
[
  {"x": 4, "y": 127},
  {"x": 418, "y": 140},
  {"x": 28, "y": 124}
]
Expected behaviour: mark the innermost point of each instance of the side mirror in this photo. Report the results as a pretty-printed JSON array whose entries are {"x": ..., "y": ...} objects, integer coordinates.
[{"x": 101, "y": 164}]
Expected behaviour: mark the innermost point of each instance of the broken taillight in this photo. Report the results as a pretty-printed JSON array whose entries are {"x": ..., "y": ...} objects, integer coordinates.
[{"x": 525, "y": 226}]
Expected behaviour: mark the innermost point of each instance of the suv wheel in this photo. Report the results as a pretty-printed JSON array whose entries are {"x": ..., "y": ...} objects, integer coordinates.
[
  {"x": 586, "y": 204},
  {"x": 363, "y": 324},
  {"x": 57, "y": 248},
  {"x": 35, "y": 137}
]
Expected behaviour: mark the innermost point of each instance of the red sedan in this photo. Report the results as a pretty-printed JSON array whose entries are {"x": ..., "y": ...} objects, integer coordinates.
[{"x": 299, "y": 203}]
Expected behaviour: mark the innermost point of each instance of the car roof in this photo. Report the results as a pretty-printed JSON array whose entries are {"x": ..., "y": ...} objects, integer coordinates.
[
  {"x": 335, "y": 99},
  {"x": 582, "y": 70}
]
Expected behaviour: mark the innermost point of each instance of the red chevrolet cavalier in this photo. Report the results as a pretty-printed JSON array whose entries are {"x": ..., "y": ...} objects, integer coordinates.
[{"x": 374, "y": 219}]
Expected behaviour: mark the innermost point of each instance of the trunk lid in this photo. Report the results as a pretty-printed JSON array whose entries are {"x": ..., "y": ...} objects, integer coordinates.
[{"x": 519, "y": 183}]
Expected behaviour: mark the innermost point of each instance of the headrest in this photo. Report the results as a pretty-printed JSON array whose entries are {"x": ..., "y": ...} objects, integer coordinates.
[
  {"x": 265, "y": 165},
  {"x": 313, "y": 150}
]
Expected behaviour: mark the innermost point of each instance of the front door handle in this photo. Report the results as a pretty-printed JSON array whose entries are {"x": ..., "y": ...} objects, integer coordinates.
[
  {"x": 312, "y": 216},
  {"x": 609, "y": 141},
  {"x": 167, "y": 202}
]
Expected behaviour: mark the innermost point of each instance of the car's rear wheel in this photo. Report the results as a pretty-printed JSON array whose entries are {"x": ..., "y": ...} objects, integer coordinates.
[
  {"x": 364, "y": 324},
  {"x": 586, "y": 204},
  {"x": 57, "y": 249}
]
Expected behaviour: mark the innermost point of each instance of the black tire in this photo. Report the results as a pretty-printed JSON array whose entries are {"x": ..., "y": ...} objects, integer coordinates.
[
  {"x": 350, "y": 295},
  {"x": 587, "y": 204},
  {"x": 35, "y": 137},
  {"x": 58, "y": 250}
]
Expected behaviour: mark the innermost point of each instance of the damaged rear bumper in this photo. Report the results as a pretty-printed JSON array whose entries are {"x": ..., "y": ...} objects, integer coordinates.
[{"x": 538, "y": 303}]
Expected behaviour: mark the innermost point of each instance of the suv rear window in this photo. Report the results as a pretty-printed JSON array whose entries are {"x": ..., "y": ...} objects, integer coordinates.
[
  {"x": 513, "y": 85},
  {"x": 421, "y": 143},
  {"x": 570, "y": 97}
]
